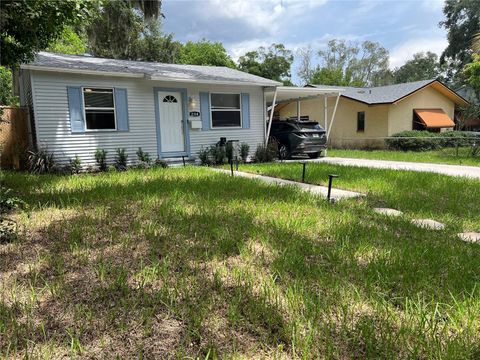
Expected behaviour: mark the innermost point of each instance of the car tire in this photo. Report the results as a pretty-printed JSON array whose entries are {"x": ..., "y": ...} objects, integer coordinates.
[
  {"x": 314, "y": 155},
  {"x": 283, "y": 152}
]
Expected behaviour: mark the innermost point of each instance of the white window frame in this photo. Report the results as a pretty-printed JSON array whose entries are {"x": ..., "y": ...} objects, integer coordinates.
[
  {"x": 228, "y": 109},
  {"x": 99, "y": 108}
]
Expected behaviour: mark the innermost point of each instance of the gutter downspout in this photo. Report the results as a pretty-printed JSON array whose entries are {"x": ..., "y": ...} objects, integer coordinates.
[{"x": 271, "y": 115}]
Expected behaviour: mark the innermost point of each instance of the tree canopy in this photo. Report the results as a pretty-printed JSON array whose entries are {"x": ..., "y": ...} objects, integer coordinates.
[
  {"x": 423, "y": 66},
  {"x": 29, "y": 26},
  {"x": 205, "y": 52},
  {"x": 347, "y": 64},
  {"x": 272, "y": 63},
  {"x": 462, "y": 22}
]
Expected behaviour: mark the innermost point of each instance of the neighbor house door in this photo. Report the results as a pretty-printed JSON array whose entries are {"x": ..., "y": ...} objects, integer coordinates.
[{"x": 171, "y": 121}]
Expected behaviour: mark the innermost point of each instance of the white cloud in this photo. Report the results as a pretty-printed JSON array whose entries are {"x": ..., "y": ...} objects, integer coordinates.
[{"x": 403, "y": 52}]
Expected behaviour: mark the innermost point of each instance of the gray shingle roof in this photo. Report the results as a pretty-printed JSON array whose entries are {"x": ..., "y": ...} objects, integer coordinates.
[
  {"x": 380, "y": 94},
  {"x": 172, "y": 72}
]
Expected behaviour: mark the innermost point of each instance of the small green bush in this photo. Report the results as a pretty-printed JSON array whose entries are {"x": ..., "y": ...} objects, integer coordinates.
[
  {"x": 121, "y": 159},
  {"x": 204, "y": 156},
  {"x": 413, "y": 140},
  {"x": 213, "y": 155},
  {"x": 244, "y": 151},
  {"x": 101, "y": 159},
  {"x": 455, "y": 139},
  {"x": 161, "y": 163},
  {"x": 75, "y": 165},
  {"x": 266, "y": 153},
  {"x": 41, "y": 162},
  {"x": 143, "y": 157}
]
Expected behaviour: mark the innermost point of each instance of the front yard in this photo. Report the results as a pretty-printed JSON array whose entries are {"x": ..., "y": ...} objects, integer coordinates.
[
  {"x": 442, "y": 156},
  {"x": 188, "y": 262}
]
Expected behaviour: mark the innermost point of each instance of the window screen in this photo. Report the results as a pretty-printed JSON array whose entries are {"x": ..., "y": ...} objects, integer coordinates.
[
  {"x": 226, "y": 110},
  {"x": 99, "y": 109}
]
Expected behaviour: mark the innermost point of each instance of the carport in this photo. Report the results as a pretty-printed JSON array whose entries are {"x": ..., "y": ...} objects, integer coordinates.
[{"x": 288, "y": 94}]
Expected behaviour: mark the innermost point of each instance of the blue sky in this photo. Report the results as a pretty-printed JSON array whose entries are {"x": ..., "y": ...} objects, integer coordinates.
[{"x": 403, "y": 27}]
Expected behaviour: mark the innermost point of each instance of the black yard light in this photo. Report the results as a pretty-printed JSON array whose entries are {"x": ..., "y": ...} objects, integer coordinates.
[
  {"x": 183, "y": 159},
  {"x": 330, "y": 180},
  {"x": 304, "y": 163}
]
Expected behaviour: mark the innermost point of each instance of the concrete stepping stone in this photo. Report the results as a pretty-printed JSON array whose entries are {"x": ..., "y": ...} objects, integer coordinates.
[
  {"x": 388, "y": 212},
  {"x": 471, "y": 237},
  {"x": 428, "y": 224}
]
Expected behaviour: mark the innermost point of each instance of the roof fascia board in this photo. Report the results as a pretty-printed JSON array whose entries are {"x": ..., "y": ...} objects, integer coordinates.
[
  {"x": 215, "y": 82},
  {"x": 81, "y": 71}
]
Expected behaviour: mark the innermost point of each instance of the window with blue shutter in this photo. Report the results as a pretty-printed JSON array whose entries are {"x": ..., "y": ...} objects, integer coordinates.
[
  {"x": 75, "y": 107},
  {"x": 121, "y": 109},
  {"x": 205, "y": 110},
  {"x": 245, "y": 111}
]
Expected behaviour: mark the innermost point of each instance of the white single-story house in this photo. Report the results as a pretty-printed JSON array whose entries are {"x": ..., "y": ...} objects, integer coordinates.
[
  {"x": 366, "y": 116},
  {"x": 79, "y": 104}
]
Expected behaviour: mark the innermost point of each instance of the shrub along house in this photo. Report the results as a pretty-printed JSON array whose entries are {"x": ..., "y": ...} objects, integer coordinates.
[
  {"x": 80, "y": 103},
  {"x": 365, "y": 116}
]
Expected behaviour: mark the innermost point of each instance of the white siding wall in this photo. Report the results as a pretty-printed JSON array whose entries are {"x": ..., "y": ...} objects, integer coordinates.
[{"x": 52, "y": 121}]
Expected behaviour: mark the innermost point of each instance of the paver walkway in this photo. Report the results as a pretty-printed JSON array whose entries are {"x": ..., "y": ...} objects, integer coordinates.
[
  {"x": 452, "y": 170},
  {"x": 315, "y": 189}
]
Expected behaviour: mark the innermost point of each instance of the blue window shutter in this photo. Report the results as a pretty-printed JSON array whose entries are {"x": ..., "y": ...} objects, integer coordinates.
[
  {"x": 75, "y": 108},
  {"x": 245, "y": 111},
  {"x": 121, "y": 109},
  {"x": 205, "y": 110}
]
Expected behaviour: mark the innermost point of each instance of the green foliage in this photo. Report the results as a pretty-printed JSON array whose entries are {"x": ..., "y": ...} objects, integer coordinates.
[
  {"x": 272, "y": 63},
  {"x": 213, "y": 155},
  {"x": 41, "y": 162},
  {"x": 345, "y": 64},
  {"x": 75, "y": 165},
  {"x": 101, "y": 159},
  {"x": 462, "y": 22},
  {"x": 69, "y": 42},
  {"x": 115, "y": 30},
  {"x": 130, "y": 30},
  {"x": 29, "y": 26},
  {"x": 265, "y": 153},
  {"x": 472, "y": 73},
  {"x": 205, "y": 52},
  {"x": 423, "y": 66},
  {"x": 161, "y": 163},
  {"x": 6, "y": 93},
  {"x": 154, "y": 46},
  {"x": 244, "y": 151},
  {"x": 8, "y": 201},
  {"x": 121, "y": 159},
  {"x": 143, "y": 156},
  {"x": 425, "y": 140}
]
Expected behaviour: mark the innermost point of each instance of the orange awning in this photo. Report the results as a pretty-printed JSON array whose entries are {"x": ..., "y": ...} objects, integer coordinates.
[{"x": 434, "y": 118}]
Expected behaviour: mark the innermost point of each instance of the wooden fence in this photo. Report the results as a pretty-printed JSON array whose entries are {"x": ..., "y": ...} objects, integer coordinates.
[{"x": 13, "y": 137}]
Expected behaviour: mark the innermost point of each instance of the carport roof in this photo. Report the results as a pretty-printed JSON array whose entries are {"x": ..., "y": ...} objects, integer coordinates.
[{"x": 289, "y": 93}]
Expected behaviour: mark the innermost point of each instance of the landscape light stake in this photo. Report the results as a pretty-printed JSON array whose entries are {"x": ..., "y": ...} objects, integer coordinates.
[
  {"x": 330, "y": 180},
  {"x": 183, "y": 159},
  {"x": 303, "y": 171},
  {"x": 231, "y": 167}
]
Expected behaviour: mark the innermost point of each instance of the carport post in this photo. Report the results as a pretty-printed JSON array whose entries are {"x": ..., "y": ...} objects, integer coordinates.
[
  {"x": 298, "y": 109},
  {"x": 333, "y": 116},
  {"x": 271, "y": 115},
  {"x": 325, "y": 113}
]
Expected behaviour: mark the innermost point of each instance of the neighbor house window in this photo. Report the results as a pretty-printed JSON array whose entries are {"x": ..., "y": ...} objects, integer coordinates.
[
  {"x": 99, "y": 109},
  {"x": 226, "y": 110},
  {"x": 361, "y": 121}
]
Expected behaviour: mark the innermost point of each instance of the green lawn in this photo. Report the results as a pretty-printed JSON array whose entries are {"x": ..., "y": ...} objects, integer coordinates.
[
  {"x": 187, "y": 262},
  {"x": 443, "y": 156}
]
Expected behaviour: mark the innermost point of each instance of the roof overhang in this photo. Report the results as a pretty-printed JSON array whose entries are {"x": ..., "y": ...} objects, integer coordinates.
[
  {"x": 291, "y": 93},
  {"x": 207, "y": 81},
  {"x": 145, "y": 76},
  {"x": 82, "y": 71}
]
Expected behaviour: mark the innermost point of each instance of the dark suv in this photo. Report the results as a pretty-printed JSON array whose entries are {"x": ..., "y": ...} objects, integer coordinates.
[{"x": 298, "y": 137}]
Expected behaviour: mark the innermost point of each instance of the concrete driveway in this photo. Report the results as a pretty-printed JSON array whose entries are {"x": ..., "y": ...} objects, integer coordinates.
[{"x": 452, "y": 170}]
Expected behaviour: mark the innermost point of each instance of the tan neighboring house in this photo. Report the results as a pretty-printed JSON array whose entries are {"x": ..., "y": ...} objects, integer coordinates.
[{"x": 365, "y": 116}]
